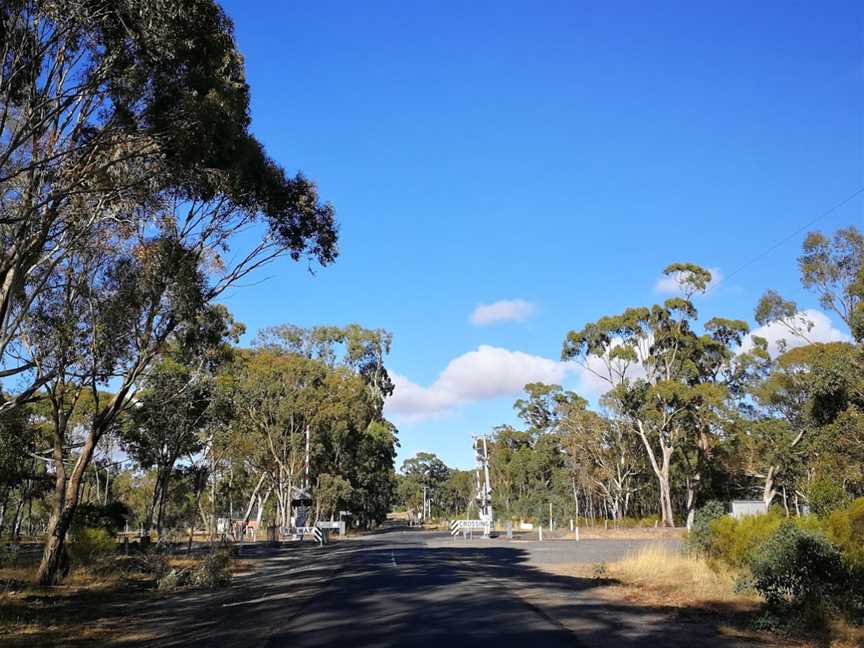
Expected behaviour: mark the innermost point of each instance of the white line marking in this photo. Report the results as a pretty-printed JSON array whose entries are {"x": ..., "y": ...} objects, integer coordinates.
[{"x": 393, "y": 558}]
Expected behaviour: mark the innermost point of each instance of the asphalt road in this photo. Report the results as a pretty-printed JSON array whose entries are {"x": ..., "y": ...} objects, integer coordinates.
[{"x": 416, "y": 589}]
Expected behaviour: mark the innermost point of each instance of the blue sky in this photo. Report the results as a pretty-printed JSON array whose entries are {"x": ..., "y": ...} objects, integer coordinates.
[{"x": 559, "y": 153}]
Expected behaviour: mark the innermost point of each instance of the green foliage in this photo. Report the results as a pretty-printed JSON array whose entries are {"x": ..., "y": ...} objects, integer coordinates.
[
  {"x": 700, "y": 537},
  {"x": 214, "y": 570},
  {"x": 825, "y": 495},
  {"x": 174, "y": 579},
  {"x": 331, "y": 494},
  {"x": 109, "y": 517},
  {"x": 91, "y": 546},
  {"x": 17, "y": 437},
  {"x": 734, "y": 540},
  {"x": 798, "y": 568},
  {"x": 9, "y": 554},
  {"x": 629, "y": 522},
  {"x": 845, "y": 528}
]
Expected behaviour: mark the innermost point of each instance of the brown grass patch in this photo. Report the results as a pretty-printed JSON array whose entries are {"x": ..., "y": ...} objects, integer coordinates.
[
  {"x": 88, "y": 608},
  {"x": 679, "y": 580},
  {"x": 599, "y": 533}
]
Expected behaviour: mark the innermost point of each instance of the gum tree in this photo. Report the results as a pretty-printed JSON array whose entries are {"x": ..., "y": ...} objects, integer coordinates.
[
  {"x": 128, "y": 172},
  {"x": 663, "y": 378}
]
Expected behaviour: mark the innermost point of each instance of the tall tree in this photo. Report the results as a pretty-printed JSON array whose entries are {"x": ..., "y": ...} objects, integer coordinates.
[
  {"x": 661, "y": 374},
  {"x": 114, "y": 243}
]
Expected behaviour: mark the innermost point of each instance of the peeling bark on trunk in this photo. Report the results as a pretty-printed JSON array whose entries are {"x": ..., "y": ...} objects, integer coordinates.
[{"x": 661, "y": 471}]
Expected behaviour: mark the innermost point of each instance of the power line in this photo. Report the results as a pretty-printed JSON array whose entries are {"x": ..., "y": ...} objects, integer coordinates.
[{"x": 785, "y": 240}]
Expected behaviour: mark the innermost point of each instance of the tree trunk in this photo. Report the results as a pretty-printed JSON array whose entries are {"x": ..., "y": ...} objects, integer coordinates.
[
  {"x": 661, "y": 470},
  {"x": 769, "y": 492},
  {"x": 252, "y": 499},
  {"x": 64, "y": 503},
  {"x": 691, "y": 502},
  {"x": 3, "y": 512}
]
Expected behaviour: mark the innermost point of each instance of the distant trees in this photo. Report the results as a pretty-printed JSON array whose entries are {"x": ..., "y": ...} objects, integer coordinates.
[
  {"x": 284, "y": 388},
  {"x": 707, "y": 413},
  {"x": 666, "y": 381}
]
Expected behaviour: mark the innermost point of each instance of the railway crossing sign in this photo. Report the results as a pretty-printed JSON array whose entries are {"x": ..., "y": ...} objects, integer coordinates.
[{"x": 462, "y": 526}]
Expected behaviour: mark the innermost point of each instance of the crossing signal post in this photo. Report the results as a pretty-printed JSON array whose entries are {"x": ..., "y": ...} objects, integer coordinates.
[{"x": 483, "y": 487}]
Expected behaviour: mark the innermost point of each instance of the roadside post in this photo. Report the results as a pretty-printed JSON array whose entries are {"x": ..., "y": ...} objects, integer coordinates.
[
  {"x": 541, "y": 532},
  {"x": 320, "y": 536}
]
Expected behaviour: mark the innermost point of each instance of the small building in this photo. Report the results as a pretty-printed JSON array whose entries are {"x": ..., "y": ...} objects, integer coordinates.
[{"x": 743, "y": 508}]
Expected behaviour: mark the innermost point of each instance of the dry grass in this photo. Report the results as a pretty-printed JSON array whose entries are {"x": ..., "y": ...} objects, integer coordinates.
[
  {"x": 82, "y": 611},
  {"x": 690, "y": 589},
  {"x": 636, "y": 533},
  {"x": 678, "y": 579}
]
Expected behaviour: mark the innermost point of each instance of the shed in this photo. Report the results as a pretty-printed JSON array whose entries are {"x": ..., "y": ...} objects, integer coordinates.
[{"x": 743, "y": 508}]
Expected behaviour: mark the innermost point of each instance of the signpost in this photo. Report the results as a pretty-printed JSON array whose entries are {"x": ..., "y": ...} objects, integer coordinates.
[
  {"x": 484, "y": 487},
  {"x": 464, "y": 526},
  {"x": 332, "y": 524}
]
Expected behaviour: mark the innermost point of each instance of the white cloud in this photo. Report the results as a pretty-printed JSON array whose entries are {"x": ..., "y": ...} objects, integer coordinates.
[
  {"x": 485, "y": 373},
  {"x": 505, "y": 310},
  {"x": 671, "y": 284},
  {"x": 822, "y": 330}
]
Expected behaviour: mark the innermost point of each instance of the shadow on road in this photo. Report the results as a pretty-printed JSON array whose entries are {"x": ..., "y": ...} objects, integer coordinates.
[{"x": 391, "y": 589}]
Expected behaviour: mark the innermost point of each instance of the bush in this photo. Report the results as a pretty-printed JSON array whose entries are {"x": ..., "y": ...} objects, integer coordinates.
[
  {"x": 699, "y": 538},
  {"x": 111, "y": 517},
  {"x": 214, "y": 570},
  {"x": 826, "y": 495},
  {"x": 798, "y": 568},
  {"x": 733, "y": 541},
  {"x": 9, "y": 554},
  {"x": 91, "y": 546},
  {"x": 634, "y": 523},
  {"x": 174, "y": 579},
  {"x": 845, "y": 528}
]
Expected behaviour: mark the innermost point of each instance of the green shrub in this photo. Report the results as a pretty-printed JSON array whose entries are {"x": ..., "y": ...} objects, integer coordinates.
[
  {"x": 9, "y": 554},
  {"x": 91, "y": 546},
  {"x": 798, "y": 568},
  {"x": 214, "y": 570},
  {"x": 111, "y": 517},
  {"x": 647, "y": 522},
  {"x": 733, "y": 541},
  {"x": 174, "y": 579},
  {"x": 826, "y": 495},
  {"x": 845, "y": 528},
  {"x": 699, "y": 538}
]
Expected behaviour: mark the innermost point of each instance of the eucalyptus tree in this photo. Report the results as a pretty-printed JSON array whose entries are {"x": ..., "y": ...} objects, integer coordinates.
[
  {"x": 816, "y": 392},
  {"x": 277, "y": 399},
  {"x": 164, "y": 425},
  {"x": 663, "y": 377},
  {"x": 603, "y": 457},
  {"x": 108, "y": 113},
  {"x": 128, "y": 171},
  {"x": 426, "y": 473},
  {"x": 362, "y": 350}
]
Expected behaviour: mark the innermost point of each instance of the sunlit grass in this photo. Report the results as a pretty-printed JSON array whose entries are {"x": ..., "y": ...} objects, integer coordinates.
[{"x": 677, "y": 578}]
